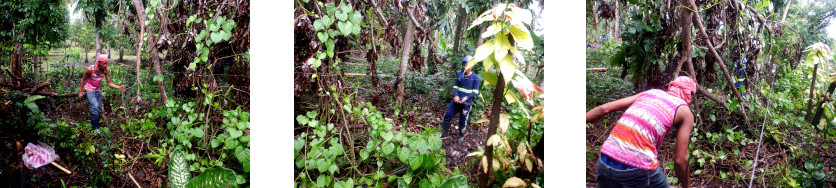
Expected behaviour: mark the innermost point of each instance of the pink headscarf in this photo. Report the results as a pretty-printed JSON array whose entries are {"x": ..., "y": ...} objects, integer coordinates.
[
  {"x": 101, "y": 58},
  {"x": 682, "y": 87}
]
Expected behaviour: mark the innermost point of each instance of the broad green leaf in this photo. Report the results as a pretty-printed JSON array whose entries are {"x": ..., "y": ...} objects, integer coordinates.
[
  {"x": 501, "y": 46},
  {"x": 302, "y": 120},
  {"x": 387, "y": 148},
  {"x": 387, "y": 136},
  {"x": 429, "y": 161},
  {"x": 178, "y": 169},
  {"x": 356, "y": 28},
  {"x": 329, "y": 45},
  {"x": 425, "y": 184},
  {"x": 415, "y": 160},
  {"x": 458, "y": 181},
  {"x": 311, "y": 114},
  {"x": 214, "y": 177},
  {"x": 216, "y": 36},
  {"x": 403, "y": 154},
  {"x": 356, "y": 18},
  {"x": 321, "y": 36},
  {"x": 316, "y": 63},
  {"x": 507, "y": 68},
  {"x": 345, "y": 27},
  {"x": 346, "y": 7},
  {"x": 333, "y": 168},
  {"x": 200, "y": 36},
  {"x": 492, "y": 30},
  {"x": 482, "y": 52},
  {"x": 522, "y": 37},
  {"x": 326, "y": 22},
  {"x": 342, "y": 15},
  {"x": 490, "y": 77},
  {"x": 489, "y": 62},
  {"x": 243, "y": 156}
]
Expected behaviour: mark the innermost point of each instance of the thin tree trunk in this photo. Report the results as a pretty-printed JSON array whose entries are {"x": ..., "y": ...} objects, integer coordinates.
[
  {"x": 615, "y": 36},
  {"x": 494, "y": 122},
  {"x": 812, "y": 89},
  {"x": 459, "y": 32},
  {"x": 121, "y": 53},
  {"x": 86, "y": 57},
  {"x": 405, "y": 51},
  {"x": 786, "y": 9},
  {"x": 140, "y": 10},
  {"x": 98, "y": 38},
  {"x": 685, "y": 39},
  {"x": 817, "y": 117}
]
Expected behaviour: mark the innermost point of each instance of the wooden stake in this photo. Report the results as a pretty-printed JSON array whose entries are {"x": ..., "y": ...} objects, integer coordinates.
[{"x": 60, "y": 167}]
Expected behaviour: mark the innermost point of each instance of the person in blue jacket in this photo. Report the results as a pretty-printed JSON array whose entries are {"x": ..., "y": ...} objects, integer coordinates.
[{"x": 466, "y": 88}]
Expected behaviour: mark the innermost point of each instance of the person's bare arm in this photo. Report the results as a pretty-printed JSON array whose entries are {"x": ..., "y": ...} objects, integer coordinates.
[
  {"x": 618, "y": 105},
  {"x": 84, "y": 77},
  {"x": 111, "y": 84},
  {"x": 685, "y": 120}
]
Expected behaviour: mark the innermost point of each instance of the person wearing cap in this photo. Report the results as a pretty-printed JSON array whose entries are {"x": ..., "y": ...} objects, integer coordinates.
[
  {"x": 91, "y": 87},
  {"x": 466, "y": 88},
  {"x": 628, "y": 156}
]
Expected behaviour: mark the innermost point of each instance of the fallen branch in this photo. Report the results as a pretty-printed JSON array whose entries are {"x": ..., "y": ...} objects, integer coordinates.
[
  {"x": 40, "y": 86},
  {"x": 604, "y": 69},
  {"x": 132, "y": 178}
]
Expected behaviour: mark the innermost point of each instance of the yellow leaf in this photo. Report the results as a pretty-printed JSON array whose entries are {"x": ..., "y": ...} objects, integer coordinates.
[
  {"x": 521, "y": 37},
  {"x": 510, "y": 97},
  {"x": 488, "y": 62},
  {"x": 497, "y": 11},
  {"x": 485, "y": 164},
  {"x": 525, "y": 87},
  {"x": 507, "y": 68},
  {"x": 482, "y": 52},
  {"x": 495, "y": 165},
  {"x": 503, "y": 123},
  {"x": 492, "y": 30},
  {"x": 501, "y": 46},
  {"x": 535, "y": 186},
  {"x": 521, "y": 151},
  {"x": 523, "y": 15},
  {"x": 528, "y": 165},
  {"x": 480, "y": 20},
  {"x": 478, "y": 153},
  {"x": 518, "y": 56},
  {"x": 513, "y": 182},
  {"x": 494, "y": 140}
]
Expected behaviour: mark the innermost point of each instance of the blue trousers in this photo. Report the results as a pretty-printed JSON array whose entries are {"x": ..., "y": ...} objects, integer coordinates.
[
  {"x": 94, "y": 101},
  {"x": 608, "y": 176},
  {"x": 455, "y": 108}
]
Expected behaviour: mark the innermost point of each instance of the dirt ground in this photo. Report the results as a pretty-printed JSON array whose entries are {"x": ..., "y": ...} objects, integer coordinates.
[{"x": 144, "y": 170}]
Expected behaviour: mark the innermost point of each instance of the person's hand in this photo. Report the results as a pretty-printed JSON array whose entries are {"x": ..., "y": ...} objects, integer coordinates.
[
  {"x": 80, "y": 94},
  {"x": 122, "y": 87},
  {"x": 456, "y": 99},
  {"x": 464, "y": 100}
]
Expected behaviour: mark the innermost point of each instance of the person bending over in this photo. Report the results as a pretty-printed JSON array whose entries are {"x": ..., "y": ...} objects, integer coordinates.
[{"x": 629, "y": 155}]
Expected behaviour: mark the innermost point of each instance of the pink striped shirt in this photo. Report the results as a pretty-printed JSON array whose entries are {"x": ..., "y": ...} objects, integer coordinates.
[
  {"x": 94, "y": 81},
  {"x": 637, "y": 134}
]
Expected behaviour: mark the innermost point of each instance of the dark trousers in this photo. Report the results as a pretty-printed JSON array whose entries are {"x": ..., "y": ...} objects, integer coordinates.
[{"x": 455, "y": 108}]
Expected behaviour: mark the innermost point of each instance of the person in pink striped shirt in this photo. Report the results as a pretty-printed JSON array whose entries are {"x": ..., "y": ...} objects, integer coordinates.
[
  {"x": 629, "y": 155},
  {"x": 91, "y": 86}
]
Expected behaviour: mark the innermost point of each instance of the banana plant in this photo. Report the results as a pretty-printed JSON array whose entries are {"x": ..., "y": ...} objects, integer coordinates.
[{"x": 506, "y": 39}]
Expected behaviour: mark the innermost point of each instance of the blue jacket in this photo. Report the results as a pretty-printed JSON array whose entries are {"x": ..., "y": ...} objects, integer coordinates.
[{"x": 467, "y": 86}]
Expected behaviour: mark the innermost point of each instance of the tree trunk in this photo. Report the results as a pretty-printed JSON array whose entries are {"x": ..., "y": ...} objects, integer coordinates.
[
  {"x": 812, "y": 89},
  {"x": 98, "y": 26},
  {"x": 431, "y": 55},
  {"x": 494, "y": 121},
  {"x": 17, "y": 68},
  {"x": 405, "y": 50},
  {"x": 684, "y": 39},
  {"x": 459, "y": 26},
  {"x": 615, "y": 36},
  {"x": 140, "y": 10},
  {"x": 86, "y": 57},
  {"x": 121, "y": 53}
]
